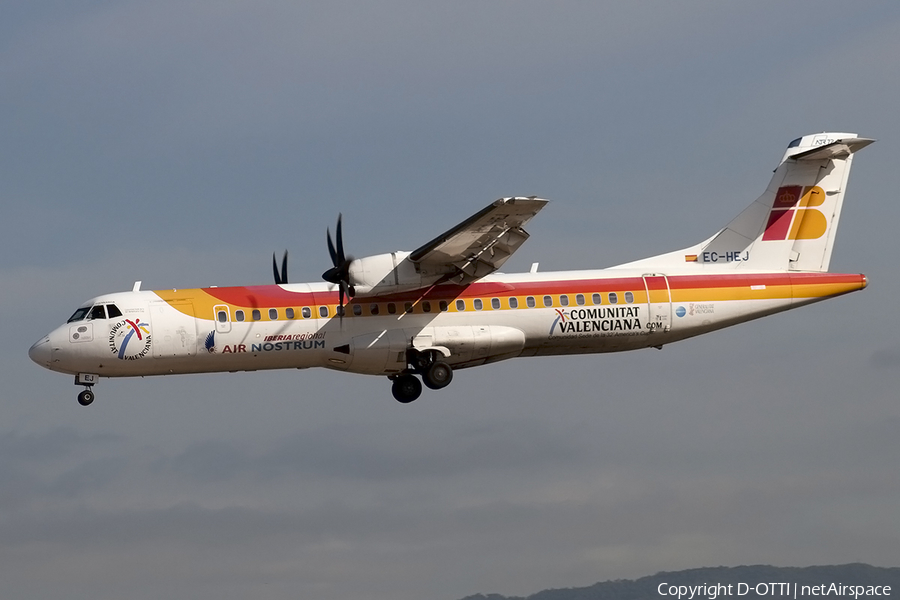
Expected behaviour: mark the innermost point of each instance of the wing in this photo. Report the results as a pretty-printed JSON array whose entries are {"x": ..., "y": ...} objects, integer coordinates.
[{"x": 480, "y": 244}]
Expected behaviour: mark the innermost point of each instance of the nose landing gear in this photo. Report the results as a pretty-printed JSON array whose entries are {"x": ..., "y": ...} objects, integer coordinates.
[
  {"x": 87, "y": 380},
  {"x": 85, "y": 397}
]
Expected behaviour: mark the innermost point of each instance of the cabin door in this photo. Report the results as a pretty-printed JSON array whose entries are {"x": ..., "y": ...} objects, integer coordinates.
[{"x": 174, "y": 329}]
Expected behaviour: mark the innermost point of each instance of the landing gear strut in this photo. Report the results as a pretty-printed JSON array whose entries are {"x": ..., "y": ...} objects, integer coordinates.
[{"x": 87, "y": 380}]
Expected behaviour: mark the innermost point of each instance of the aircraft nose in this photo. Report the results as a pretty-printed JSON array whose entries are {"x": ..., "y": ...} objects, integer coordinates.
[{"x": 40, "y": 352}]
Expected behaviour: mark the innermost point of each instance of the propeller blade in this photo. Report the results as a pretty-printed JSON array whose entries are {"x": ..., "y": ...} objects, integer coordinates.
[
  {"x": 340, "y": 242},
  {"x": 280, "y": 277},
  {"x": 339, "y": 274},
  {"x": 331, "y": 250}
]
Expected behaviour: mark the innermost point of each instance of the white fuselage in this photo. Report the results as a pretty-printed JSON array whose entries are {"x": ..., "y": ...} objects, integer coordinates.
[{"x": 498, "y": 317}]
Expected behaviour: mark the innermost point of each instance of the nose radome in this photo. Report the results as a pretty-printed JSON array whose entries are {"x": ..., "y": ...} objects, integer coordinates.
[{"x": 40, "y": 352}]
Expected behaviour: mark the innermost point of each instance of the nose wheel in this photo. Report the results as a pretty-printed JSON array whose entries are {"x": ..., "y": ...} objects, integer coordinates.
[{"x": 86, "y": 396}]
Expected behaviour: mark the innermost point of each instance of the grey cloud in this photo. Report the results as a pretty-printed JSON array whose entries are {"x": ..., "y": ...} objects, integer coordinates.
[
  {"x": 886, "y": 358},
  {"x": 378, "y": 454},
  {"x": 56, "y": 444},
  {"x": 182, "y": 143}
]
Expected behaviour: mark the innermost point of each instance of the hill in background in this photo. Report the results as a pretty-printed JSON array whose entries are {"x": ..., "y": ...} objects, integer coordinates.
[{"x": 856, "y": 574}]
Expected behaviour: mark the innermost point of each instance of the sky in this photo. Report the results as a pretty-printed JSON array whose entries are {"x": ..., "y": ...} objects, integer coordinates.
[{"x": 182, "y": 143}]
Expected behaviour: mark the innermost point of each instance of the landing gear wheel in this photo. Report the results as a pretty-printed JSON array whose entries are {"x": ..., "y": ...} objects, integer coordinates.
[
  {"x": 406, "y": 388},
  {"x": 85, "y": 397},
  {"x": 438, "y": 376}
]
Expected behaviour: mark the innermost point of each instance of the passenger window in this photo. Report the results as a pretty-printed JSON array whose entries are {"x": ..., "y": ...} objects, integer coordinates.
[
  {"x": 564, "y": 300},
  {"x": 596, "y": 299},
  {"x": 340, "y": 311},
  {"x": 530, "y": 301},
  {"x": 97, "y": 313},
  {"x": 408, "y": 307},
  {"x": 222, "y": 316},
  {"x": 113, "y": 311},
  {"x": 289, "y": 313},
  {"x": 373, "y": 308},
  {"x": 495, "y": 303},
  {"x": 613, "y": 298},
  {"x": 514, "y": 302},
  {"x": 426, "y": 306},
  {"x": 392, "y": 308},
  {"x": 306, "y": 312},
  {"x": 629, "y": 297},
  {"x": 548, "y": 301},
  {"x": 323, "y": 311},
  {"x": 579, "y": 299},
  {"x": 443, "y": 306},
  {"x": 478, "y": 304},
  {"x": 460, "y": 305},
  {"x": 357, "y": 310},
  {"x": 256, "y": 314},
  {"x": 273, "y": 314},
  {"x": 238, "y": 315}
]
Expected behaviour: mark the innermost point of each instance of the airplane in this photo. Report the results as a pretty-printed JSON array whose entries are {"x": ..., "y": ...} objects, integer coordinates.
[{"x": 445, "y": 306}]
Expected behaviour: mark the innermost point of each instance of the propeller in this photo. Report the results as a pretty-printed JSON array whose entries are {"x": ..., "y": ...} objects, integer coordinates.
[
  {"x": 339, "y": 274},
  {"x": 280, "y": 277}
]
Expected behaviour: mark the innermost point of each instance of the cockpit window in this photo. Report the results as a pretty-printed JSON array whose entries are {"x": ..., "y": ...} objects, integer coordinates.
[
  {"x": 79, "y": 314},
  {"x": 97, "y": 312},
  {"x": 113, "y": 311}
]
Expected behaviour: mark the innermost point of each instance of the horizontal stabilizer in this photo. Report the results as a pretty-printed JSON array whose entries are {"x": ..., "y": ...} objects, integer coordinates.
[{"x": 837, "y": 149}]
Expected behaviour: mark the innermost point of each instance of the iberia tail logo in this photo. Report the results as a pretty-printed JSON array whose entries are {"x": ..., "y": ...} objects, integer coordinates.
[{"x": 793, "y": 216}]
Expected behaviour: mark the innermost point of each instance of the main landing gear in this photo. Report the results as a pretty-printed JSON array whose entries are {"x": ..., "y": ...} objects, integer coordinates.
[
  {"x": 87, "y": 380},
  {"x": 436, "y": 375},
  {"x": 406, "y": 388}
]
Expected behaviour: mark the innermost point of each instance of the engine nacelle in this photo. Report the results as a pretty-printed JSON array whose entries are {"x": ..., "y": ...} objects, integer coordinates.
[
  {"x": 385, "y": 352},
  {"x": 387, "y": 274}
]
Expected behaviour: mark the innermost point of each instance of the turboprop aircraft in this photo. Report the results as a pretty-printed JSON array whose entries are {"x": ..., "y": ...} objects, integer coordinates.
[{"x": 444, "y": 307}]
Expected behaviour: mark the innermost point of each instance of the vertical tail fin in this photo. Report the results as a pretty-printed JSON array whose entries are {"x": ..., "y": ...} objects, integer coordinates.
[{"x": 792, "y": 226}]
